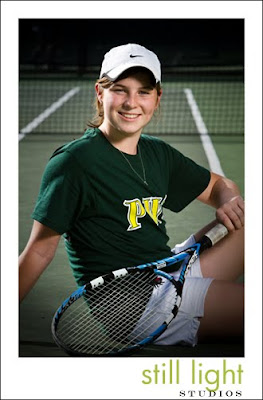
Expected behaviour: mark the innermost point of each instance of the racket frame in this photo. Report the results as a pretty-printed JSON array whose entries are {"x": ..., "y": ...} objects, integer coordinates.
[
  {"x": 187, "y": 257},
  {"x": 92, "y": 285}
]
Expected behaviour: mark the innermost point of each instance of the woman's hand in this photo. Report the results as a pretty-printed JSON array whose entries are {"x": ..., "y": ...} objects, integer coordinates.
[
  {"x": 231, "y": 213},
  {"x": 223, "y": 194}
]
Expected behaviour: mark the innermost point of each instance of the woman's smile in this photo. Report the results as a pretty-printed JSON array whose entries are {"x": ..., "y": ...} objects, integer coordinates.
[
  {"x": 129, "y": 105},
  {"x": 129, "y": 117}
]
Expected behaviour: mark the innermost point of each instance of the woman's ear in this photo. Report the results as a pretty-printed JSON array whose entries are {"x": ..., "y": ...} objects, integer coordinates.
[
  {"x": 158, "y": 99},
  {"x": 99, "y": 92}
]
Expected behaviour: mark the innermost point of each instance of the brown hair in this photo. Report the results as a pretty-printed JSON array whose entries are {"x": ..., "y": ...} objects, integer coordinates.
[{"x": 105, "y": 83}]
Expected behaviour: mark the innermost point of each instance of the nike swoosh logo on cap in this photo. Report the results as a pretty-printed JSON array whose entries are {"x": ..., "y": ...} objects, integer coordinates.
[{"x": 137, "y": 55}]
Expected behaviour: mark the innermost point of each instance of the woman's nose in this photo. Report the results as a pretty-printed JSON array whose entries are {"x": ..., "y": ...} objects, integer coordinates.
[{"x": 130, "y": 101}]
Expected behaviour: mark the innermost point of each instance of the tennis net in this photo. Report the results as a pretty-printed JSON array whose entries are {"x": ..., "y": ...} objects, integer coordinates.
[{"x": 195, "y": 100}]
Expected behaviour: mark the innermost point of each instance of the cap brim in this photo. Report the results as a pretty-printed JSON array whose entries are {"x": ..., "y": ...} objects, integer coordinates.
[{"x": 116, "y": 72}]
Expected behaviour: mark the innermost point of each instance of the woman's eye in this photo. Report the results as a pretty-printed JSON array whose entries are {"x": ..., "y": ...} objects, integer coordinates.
[
  {"x": 118, "y": 90},
  {"x": 144, "y": 92}
]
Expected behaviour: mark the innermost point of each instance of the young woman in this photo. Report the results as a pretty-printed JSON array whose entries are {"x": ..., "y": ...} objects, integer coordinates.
[{"x": 106, "y": 191}]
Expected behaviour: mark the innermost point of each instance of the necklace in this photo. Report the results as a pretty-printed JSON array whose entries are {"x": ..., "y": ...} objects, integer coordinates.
[{"x": 136, "y": 173}]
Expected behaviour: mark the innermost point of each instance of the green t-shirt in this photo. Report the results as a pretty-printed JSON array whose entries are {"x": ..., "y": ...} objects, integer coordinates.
[{"x": 109, "y": 217}]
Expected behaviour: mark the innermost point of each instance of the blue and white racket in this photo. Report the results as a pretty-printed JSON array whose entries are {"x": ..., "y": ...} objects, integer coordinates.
[{"x": 126, "y": 309}]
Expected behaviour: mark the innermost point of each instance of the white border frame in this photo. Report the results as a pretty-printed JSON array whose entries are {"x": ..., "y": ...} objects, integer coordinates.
[{"x": 26, "y": 378}]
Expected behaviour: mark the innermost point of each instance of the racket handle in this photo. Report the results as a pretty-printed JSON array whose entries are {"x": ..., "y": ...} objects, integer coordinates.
[{"x": 213, "y": 236}]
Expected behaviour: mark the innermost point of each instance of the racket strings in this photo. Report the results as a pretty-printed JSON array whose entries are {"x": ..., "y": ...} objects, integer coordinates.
[
  {"x": 124, "y": 340},
  {"x": 99, "y": 299},
  {"x": 107, "y": 316},
  {"x": 90, "y": 295},
  {"x": 101, "y": 333},
  {"x": 110, "y": 328},
  {"x": 102, "y": 305}
]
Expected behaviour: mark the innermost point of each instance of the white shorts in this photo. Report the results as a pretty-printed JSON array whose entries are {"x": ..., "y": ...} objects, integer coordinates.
[{"x": 184, "y": 327}]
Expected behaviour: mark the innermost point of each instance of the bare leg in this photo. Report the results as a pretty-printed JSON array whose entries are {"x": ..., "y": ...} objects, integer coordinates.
[
  {"x": 224, "y": 261},
  {"x": 224, "y": 311},
  {"x": 224, "y": 302}
]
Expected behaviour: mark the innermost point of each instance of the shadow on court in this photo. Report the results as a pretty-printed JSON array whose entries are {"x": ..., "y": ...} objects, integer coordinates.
[{"x": 48, "y": 349}]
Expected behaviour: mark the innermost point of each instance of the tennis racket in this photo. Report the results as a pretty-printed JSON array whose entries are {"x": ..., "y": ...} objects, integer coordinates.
[{"x": 127, "y": 309}]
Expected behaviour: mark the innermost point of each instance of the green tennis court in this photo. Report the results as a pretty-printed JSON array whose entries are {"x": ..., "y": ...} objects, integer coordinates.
[{"x": 54, "y": 111}]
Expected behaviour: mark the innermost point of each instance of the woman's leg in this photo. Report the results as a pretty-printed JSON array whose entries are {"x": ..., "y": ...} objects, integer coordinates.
[
  {"x": 223, "y": 312},
  {"x": 224, "y": 261},
  {"x": 224, "y": 302}
]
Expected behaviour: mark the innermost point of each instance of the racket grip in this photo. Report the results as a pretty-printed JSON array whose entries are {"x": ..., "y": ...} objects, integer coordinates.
[
  {"x": 217, "y": 233},
  {"x": 212, "y": 237}
]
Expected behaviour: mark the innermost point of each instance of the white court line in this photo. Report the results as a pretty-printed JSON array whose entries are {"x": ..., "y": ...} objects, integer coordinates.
[
  {"x": 209, "y": 149},
  {"x": 47, "y": 112}
]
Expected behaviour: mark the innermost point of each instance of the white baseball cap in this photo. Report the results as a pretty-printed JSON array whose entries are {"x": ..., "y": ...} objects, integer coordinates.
[{"x": 123, "y": 57}]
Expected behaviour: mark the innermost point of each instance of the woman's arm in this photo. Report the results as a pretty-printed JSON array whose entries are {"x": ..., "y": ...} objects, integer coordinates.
[
  {"x": 37, "y": 255},
  {"x": 224, "y": 195}
]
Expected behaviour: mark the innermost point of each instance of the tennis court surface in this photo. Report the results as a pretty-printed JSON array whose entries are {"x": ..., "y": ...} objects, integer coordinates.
[{"x": 202, "y": 115}]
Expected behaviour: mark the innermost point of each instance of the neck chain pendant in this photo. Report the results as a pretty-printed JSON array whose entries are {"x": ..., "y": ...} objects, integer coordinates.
[{"x": 143, "y": 179}]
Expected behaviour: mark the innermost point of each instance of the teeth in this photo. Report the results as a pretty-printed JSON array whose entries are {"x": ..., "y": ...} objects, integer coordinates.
[{"x": 131, "y": 116}]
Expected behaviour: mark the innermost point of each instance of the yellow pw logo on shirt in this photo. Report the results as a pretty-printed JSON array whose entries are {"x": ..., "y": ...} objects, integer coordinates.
[{"x": 153, "y": 206}]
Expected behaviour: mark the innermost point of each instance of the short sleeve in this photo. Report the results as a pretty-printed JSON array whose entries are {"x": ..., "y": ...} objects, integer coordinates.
[
  {"x": 187, "y": 180},
  {"x": 64, "y": 193}
]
